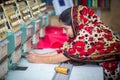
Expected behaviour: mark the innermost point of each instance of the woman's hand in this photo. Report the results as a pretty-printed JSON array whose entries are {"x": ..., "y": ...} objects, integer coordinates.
[
  {"x": 32, "y": 57},
  {"x": 32, "y": 53}
]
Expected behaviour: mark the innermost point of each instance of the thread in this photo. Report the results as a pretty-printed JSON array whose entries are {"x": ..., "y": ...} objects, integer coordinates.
[{"x": 62, "y": 70}]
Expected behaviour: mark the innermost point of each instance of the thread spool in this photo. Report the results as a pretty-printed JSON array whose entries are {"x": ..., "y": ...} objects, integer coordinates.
[
  {"x": 43, "y": 9},
  {"x": 25, "y": 11},
  {"x": 42, "y": 4},
  {"x": 2, "y": 21},
  {"x": 26, "y": 17},
  {"x": 35, "y": 7},
  {"x": 15, "y": 23},
  {"x": 62, "y": 70}
]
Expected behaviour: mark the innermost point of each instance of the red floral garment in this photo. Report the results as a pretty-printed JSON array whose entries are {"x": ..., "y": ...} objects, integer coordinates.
[
  {"x": 92, "y": 36},
  {"x": 94, "y": 42}
]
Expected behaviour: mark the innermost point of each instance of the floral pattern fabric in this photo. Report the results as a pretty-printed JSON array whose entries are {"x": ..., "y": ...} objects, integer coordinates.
[{"x": 93, "y": 41}]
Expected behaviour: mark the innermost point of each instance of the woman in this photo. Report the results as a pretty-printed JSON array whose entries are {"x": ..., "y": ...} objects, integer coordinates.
[{"x": 89, "y": 41}]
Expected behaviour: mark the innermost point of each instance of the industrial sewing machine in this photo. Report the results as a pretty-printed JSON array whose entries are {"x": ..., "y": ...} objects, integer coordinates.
[
  {"x": 39, "y": 18},
  {"x": 14, "y": 34},
  {"x": 35, "y": 21},
  {"x": 3, "y": 45},
  {"x": 44, "y": 17},
  {"x": 26, "y": 27},
  {"x": 19, "y": 31}
]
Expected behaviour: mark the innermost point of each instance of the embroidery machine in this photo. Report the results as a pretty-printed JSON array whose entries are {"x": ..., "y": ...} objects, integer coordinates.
[
  {"x": 3, "y": 45},
  {"x": 18, "y": 29},
  {"x": 39, "y": 18},
  {"x": 14, "y": 33},
  {"x": 36, "y": 22},
  {"x": 43, "y": 16},
  {"x": 26, "y": 27}
]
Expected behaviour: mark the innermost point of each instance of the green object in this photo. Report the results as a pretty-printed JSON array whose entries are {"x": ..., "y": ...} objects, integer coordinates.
[
  {"x": 24, "y": 32},
  {"x": 53, "y": 13},
  {"x": 11, "y": 44},
  {"x": 11, "y": 48},
  {"x": 36, "y": 25},
  {"x": 24, "y": 36},
  {"x": 34, "y": 22},
  {"x": 47, "y": 20},
  {"x": 41, "y": 18},
  {"x": 46, "y": 16}
]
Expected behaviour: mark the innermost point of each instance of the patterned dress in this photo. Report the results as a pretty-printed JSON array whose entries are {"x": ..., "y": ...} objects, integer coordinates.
[{"x": 93, "y": 42}]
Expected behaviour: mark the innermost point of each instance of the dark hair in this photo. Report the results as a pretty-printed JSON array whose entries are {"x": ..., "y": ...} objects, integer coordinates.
[{"x": 65, "y": 16}]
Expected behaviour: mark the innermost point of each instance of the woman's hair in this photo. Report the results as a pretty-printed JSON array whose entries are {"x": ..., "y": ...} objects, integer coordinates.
[{"x": 65, "y": 17}]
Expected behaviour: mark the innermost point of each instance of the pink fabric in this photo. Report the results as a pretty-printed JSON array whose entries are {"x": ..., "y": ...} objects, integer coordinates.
[{"x": 54, "y": 38}]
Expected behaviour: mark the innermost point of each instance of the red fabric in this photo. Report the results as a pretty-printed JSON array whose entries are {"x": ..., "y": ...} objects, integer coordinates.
[{"x": 54, "y": 38}]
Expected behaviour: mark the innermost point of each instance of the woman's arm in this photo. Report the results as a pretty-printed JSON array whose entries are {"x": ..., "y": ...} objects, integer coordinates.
[
  {"x": 45, "y": 54},
  {"x": 49, "y": 59}
]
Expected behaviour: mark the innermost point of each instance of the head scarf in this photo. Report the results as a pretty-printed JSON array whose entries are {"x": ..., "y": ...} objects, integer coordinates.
[{"x": 93, "y": 41}]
